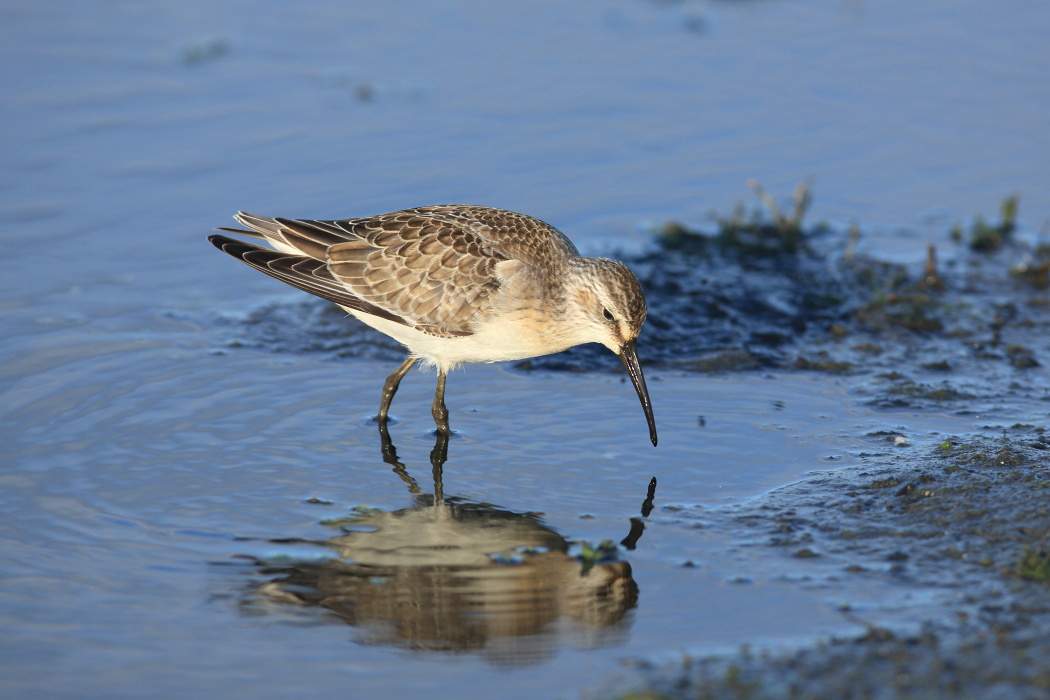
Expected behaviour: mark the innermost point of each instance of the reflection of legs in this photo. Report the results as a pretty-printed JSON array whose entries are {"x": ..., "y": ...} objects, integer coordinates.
[
  {"x": 439, "y": 410},
  {"x": 391, "y": 384},
  {"x": 390, "y": 457},
  {"x": 438, "y": 455}
]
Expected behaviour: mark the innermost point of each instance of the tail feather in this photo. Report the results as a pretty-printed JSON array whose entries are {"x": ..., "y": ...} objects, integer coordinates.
[{"x": 297, "y": 236}]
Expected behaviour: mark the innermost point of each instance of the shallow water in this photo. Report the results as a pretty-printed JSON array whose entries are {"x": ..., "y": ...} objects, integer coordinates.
[{"x": 156, "y": 482}]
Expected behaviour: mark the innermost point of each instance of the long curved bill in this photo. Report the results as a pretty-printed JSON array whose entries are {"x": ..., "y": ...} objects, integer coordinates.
[{"x": 629, "y": 357}]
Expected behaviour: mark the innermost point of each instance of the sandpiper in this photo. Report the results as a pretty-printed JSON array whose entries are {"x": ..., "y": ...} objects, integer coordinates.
[{"x": 456, "y": 283}]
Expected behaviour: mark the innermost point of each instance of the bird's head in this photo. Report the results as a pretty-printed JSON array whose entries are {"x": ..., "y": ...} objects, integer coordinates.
[{"x": 611, "y": 310}]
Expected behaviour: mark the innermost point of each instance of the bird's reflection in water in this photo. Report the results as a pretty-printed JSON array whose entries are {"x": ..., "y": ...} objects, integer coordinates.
[{"x": 455, "y": 576}]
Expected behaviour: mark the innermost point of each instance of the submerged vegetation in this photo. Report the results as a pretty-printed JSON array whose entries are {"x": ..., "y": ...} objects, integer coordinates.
[
  {"x": 984, "y": 237},
  {"x": 1035, "y": 563}
]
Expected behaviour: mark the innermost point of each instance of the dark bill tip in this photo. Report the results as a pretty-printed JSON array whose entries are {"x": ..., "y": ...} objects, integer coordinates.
[{"x": 629, "y": 358}]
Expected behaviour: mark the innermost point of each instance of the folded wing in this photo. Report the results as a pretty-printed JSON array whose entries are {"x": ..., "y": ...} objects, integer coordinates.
[{"x": 435, "y": 269}]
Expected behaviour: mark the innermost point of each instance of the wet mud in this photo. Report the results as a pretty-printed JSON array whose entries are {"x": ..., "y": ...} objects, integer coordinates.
[{"x": 963, "y": 526}]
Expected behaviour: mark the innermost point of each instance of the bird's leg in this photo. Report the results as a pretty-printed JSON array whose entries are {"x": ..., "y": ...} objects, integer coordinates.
[
  {"x": 391, "y": 384},
  {"x": 439, "y": 410}
]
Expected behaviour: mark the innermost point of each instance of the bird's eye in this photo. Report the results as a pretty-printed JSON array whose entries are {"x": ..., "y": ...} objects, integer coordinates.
[{"x": 608, "y": 314}]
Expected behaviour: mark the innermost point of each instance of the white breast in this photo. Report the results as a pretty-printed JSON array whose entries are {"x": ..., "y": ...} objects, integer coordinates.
[{"x": 501, "y": 338}]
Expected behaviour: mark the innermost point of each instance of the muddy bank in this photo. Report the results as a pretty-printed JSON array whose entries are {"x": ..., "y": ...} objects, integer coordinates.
[{"x": 961, "y": 528}]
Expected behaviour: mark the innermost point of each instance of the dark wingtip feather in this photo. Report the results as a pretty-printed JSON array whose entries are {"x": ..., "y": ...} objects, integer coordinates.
[
  {"x": 232, "y": 246},
  {"x": 240, "y": 231}
]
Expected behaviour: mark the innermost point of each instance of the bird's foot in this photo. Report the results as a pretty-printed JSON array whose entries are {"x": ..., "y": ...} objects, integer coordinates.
[
  {"x": 441, "y": 419},
  {"x": 383, "y": 420}
]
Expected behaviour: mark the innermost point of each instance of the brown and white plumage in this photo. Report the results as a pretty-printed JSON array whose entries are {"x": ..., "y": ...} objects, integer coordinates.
[{"x": 455, "y": 284}]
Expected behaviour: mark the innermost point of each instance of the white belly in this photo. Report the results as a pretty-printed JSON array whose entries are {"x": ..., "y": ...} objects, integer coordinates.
[{"x": 499, "y": 339}]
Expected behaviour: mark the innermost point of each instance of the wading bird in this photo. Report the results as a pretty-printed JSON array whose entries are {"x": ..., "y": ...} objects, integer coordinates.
[{"x": 455, "y": 284}]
